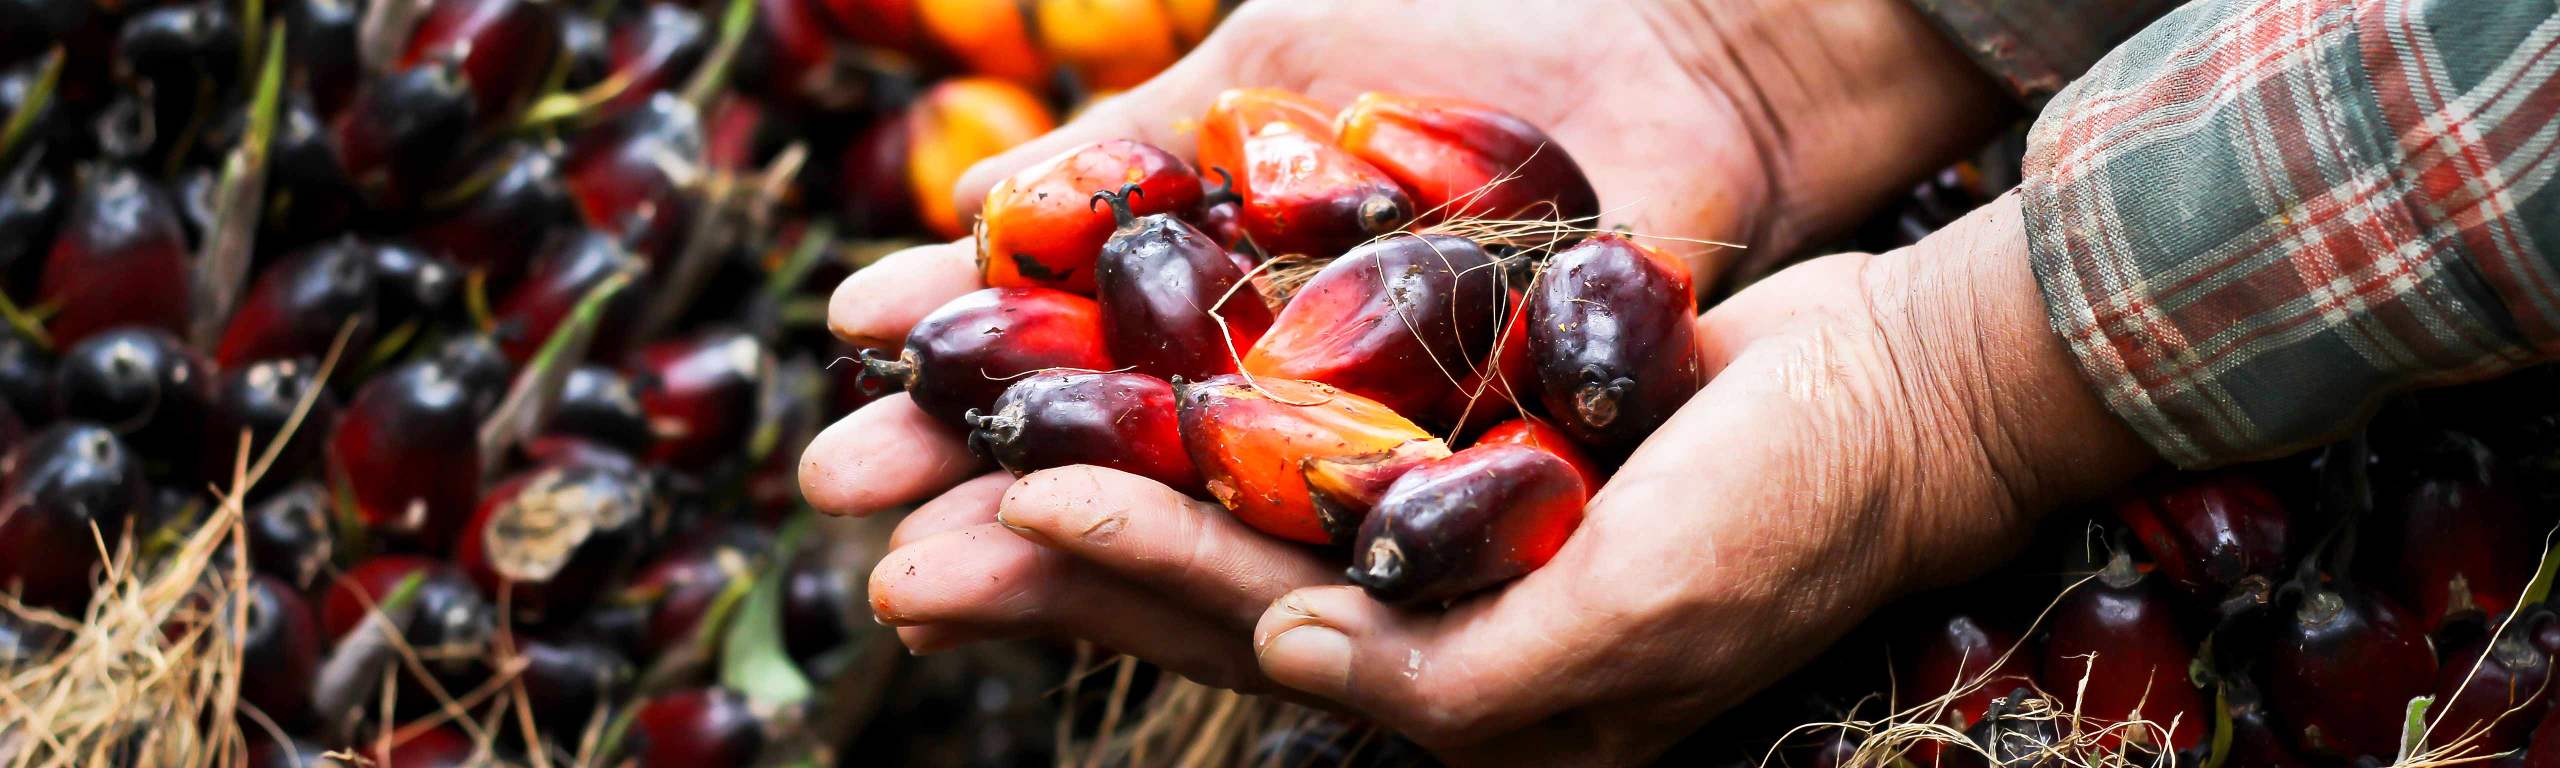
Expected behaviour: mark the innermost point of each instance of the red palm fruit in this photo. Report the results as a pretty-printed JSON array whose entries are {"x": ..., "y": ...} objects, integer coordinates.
[
  {"x": 1963, "y": 651},
  {"x": 1125, "y": 421},
  {"x": 1158, "y": 281},
  {"x": 1296, "y": 459},
  {"x": 1493, "y": 387},
  {"x": 953, "y": 126},
  {"x": 69, "y": 487},
  {"x": 1302, "y": 195},
  {"x": 280, "y": 648},
  {"x": 872, "y": 194},
  {"x": 2119, "y": 636},
  {"x": 497, "y": 229},
  {"x": 1539, "y": 435},
  {"x": 2343, "y": 668},
  {"x": 567, "y": 681},
  {"x": 1398, "y": 321},
  {"x": 2208, "y": 532},
  {"x": 1480, "y": 517},
  {"x": 890, "y": 24},
  {"x": 119, "y": 258},
  {"x": 407, "y": 452},
  {"x": 147, "y": 385},
  {"x": 452, "y": 621},
  {"x": 676, "y": 590},
  {"x": 296, "y": 307},
  {"x": 571, "y": 263},
  {"x": 638, "y": 172},
  {"x": 507, "y": 49},
  {"x": 700, "y": 395},
  {"x": 289, "y": 533},
  {"x": 1612, "y": 332},
  {"x": 439, "y": 747},
  {"x": 552, "y": 537},
  {"x": 654, "y": 51},
  {"x": 1041, "y": 228},
  {"x": 2490, "y": 693},
  {"x": 1239, "y": 114},
  {"x": 2459, "y": 553},
  {"x": 964, "y": 354},
  {"x": 698, "y": 727},
  {"x": 1449, "y": 154},
  {"x": 401, "y": 131},
  {"x": 258, "y": 399}
]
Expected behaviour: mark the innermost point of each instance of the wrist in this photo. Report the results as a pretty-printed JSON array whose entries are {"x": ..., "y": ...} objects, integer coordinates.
[{"x": 1847, "y": 103}]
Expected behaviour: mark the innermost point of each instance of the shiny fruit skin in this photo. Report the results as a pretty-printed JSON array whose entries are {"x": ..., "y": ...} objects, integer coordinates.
[
  {"x": 1449, "y": 152},
  {"x": 553, "y": 537},
  {"x": 637, "y": 173},
  {"x": 63, "y": 483},
  {"x": 964, "y": 354},
  {"x": 989, "y": 37},
  {"x": 1157, "y": 281},
  {"x": 2141, "y": 656},
  {"x": 280, "y": 648},
  {"x": 31, "y": 201},
  {"x": 1539, "y": 435},
  {"x": 119, "y": 258},
  {"x": 676, "y": 590},
  {"x": 2208, "y": 532},
  {"x": 570, "y": 264},
  {"x": 297, "y": 306},
  {"x": 1124, "y": 421},
  {"x": 700, "y": 394},
  {"x": 600, "y": 404},
  {"x": 698, "y": 727},
  {"x": 506, "y": 48},
  {"x": 567, "y": 679},
  {"x": 259, "y": 399},
  {"x": 1109, "y": 44},
  {"x": 26, "y": 377},
  {"x": 402, "y": 131},
  {"x": 1612, "y": 331},
  {"x": 483, "y": 369},
  {"x": 1397, "y": 321},
  {"x": 654, "y": 51},
  {"x": 1041, "y": 227},
  {"x": 2458, "y": 558},
  {"x": 322, "y": 36},
  {"x": 1303, "y": 195},
  {"x": 1496, "y": 386},
  {"x": 1962, "y": 650},
  {"x": 412, "y": 286},
  {"x": 953, "y": 126},
  {"x": 1242, "y": 113},
  {"x": 2344, "y": 665},
  {"x": 407, "y": 451},
  {"x": 454, "y": 621},
  {"x": 2502, "y": 686},
  {"x": 1259, "y": 443},
  {"x": 1480, "y": 517},
  {"x": 872, "y": 193},
  {"x": 147, "y": 385},
  {"x": 497, "y": 230},
  {"x": 290, "y": 534}
]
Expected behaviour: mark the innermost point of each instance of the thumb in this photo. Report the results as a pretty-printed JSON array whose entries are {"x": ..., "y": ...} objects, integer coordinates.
[{"x": 1164, "y": 111}]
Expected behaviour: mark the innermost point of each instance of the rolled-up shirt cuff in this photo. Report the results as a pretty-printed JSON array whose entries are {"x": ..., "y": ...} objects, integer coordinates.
[{"x": 2038, "y": 46}]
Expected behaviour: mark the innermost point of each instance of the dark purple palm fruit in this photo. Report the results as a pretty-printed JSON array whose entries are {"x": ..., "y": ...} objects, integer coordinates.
[
  {"x": 2207, "y": 533},
  {"x": 406, "y": 452},
  {"x": 70, "y": 490},
  {"x": 309, "y": 196},
  {"x": 2492, "y": 690},
  {"x": 412, "y": 287},
  {"x": 280, "y": 649},
  {"x": 189, "y": 54},
  {"x": 2344, "y": 665},
  {"x": 28, "y": 27},
  {"x": 402, "y": 132},
  {"x": 498, "y": 228},
  {"x": 119, "y": 258},
  {"x": 569, "y": 682},
  {"x": 570, "y": 264},
  {"x": 484, "y": 369},
  {"x": 638, "y": 172},
  {"x": 31, "y": 200},
  {"x": 146, "y": 385},
  {"x": 2459, "y": 557},
  {"x": 702, "y": 395},
  {"x": 507, "y": 49},
  {"x": 598, "y": 404},
  {"x": 322, "y": 36},
  {"x": 26, "y": 377},
  {"x": 654, "y": 50},
  {"x": 259, "y": 400},
  {"x": 290, "y": 533},
  {"x": 819, "y": 604},
  {"x": 698, "y": 727},
  {"x": 298, "y": 306},
  {"x": 2118, "y": 636}
]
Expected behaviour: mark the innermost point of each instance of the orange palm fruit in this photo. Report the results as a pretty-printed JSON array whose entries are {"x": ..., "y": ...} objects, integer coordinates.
[
  {"x": 956, "y": 124},
  {"x": 1539, "y": 435},
  {"x": 1400, "y": 321},
  {"x": 1111, "y": 44},
  {"x": 1299, "y": 192},
  {"x": 989, "y": 37},
  {"x": 1041, "y": 227},
  {"x": 1192, "y": 19},
  {"x": 1296, "y": 459},
  {"x": 1449, "y": 154},
  {"x": 1473, "y": 520},
  {"x": 1241, "y": 113}
]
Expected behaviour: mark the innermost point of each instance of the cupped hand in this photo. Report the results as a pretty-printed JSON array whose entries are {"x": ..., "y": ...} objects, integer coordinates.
[{"x": 1876, "y": 424}]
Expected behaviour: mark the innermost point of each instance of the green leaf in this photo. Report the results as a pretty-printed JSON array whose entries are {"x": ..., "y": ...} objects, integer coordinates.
[
  {"x": 38, "y": 98},
  {"x": 223, "y": 268},
  {"x": 714, "y": 72},
  {"x": 537, "y": 388},
  {"x": 752, "y": 658},
  {"x": 2538, "y": 590},
  {"x": 2413, "y": 728},
  {"x": 814, "y": 244}
]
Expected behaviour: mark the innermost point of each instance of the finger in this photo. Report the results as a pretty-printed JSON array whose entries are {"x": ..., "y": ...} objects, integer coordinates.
[
  {"x": 967, "y": 504},
  {"x": 1150, "y": 534},
  {"x": 1159, "y": 112},
  {"x": 884, "y": 454},
  {"x": 928, "y": 639},
  {"x": 1776, "y": 306},
  {"x": 874, "y": 308},
  {"x": 990, "y": 580},
  {"x": 1490, "y": 666}
]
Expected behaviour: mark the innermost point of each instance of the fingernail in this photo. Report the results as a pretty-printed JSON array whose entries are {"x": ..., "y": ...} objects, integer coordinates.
[{"x": 1310, "y": 657}]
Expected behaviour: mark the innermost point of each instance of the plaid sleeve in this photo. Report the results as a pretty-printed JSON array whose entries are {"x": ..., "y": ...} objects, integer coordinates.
[
  {"x": 2035, "y": 46},
  {"x": 2258, "y": 217}
]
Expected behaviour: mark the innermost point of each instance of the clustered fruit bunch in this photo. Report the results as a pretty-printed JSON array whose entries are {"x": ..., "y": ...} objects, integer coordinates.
[
  {"x": 1301, "y": 324},
  {"x": 497, "y": 325}
]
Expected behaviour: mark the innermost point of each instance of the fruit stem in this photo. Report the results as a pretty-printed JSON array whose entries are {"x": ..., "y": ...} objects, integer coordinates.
[
  {"x": 990, "y": 432},
  {"x": 877, "y": 370},
  {"x": 1121, "y": 215},
  {"x": 1226, "y": 191}
]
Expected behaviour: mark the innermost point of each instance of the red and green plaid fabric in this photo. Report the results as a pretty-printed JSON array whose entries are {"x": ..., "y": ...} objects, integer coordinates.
[{"x": 2257, "y": 217}]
